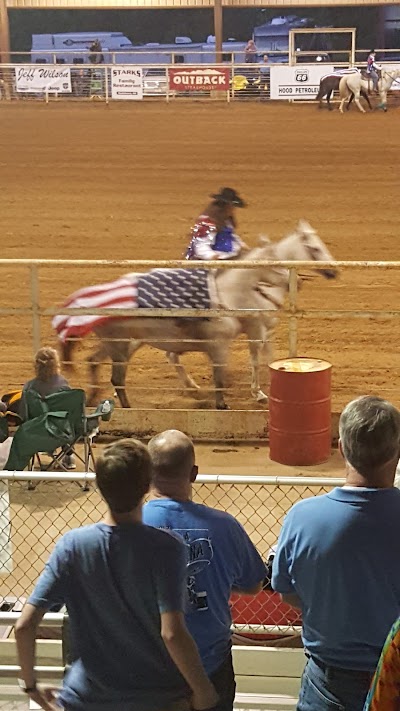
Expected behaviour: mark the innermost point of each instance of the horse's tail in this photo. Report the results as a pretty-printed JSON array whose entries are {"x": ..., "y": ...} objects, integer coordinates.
[{"x": 67, "y": 349}]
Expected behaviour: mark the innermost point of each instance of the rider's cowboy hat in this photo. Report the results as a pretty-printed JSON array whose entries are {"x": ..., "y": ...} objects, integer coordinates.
[{"x": 229, "y": 196}]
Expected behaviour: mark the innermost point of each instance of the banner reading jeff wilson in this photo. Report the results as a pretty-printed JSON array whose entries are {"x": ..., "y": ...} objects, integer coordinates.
[
  {"x": 205, "y": 79},
  {"x": 42, "y": 79}
]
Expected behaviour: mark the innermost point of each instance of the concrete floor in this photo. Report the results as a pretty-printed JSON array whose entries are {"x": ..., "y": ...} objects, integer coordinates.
[{"x": 254, "y": 460}]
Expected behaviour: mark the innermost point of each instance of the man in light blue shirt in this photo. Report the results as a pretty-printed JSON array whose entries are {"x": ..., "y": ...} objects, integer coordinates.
[
  {"x": 221, "y": 556},
  {"x": 338, "y": 560},
  {"x": 124, "y": 586}
]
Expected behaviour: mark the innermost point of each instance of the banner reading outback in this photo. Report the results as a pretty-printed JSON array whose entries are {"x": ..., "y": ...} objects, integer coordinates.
[
  {"x": 207, "y": 79},
  {"x": 298, "y": 82}
]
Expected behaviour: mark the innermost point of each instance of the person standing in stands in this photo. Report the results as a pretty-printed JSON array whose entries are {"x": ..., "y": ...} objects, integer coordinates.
[
  {"x": 221, "y": 556},
  {"x": 338, "y": 561},
  {"x": 250, "y": 52},
  {"x": 123, "y": 584}
]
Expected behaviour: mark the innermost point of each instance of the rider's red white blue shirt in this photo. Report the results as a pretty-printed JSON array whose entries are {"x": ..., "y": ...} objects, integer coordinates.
[{"x": 207, "y": 242}]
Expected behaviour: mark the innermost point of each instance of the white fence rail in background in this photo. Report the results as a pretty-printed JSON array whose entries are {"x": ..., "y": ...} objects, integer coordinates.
[
  {"x": 37, "y": 311},
  {"x": 166, "y": 81}
]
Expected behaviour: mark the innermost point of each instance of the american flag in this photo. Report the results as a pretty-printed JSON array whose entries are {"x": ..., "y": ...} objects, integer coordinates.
[{"x": 121, "y": 293}]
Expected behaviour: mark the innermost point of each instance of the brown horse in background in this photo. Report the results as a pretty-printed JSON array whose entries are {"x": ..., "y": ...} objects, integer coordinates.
[{"x": 329, "y": 84}]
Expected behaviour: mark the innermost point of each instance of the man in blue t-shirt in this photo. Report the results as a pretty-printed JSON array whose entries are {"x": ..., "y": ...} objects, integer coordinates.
[
  {"x": 338, "y": 561},
  {"x": 124, "y": 586},
  {"x": 221, "y": 557}
]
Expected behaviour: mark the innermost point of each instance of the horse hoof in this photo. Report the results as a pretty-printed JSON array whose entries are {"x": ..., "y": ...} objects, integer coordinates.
[
  {"x": 223, "y": 406},
  {"x": 262, "y": 397}
]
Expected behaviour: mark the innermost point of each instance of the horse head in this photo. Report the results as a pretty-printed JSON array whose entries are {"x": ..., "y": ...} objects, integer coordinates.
[{"x": 306, "y": 245}]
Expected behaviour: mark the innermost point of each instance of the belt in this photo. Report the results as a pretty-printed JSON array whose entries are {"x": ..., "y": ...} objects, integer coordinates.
[{"x": 360, "y": 674}]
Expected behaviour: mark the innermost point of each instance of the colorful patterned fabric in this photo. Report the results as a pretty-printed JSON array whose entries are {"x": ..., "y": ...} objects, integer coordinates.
[
  {"x": 118, "y": 294},
  {"x": 173, "y": 288},
  {"x": 384, "y": 694},
  {"x": 160, "y": 288},
  {"x": 207, "y": 242}
]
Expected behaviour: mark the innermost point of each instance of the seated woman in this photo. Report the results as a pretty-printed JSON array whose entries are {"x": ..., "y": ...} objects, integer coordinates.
[
  {"x": 213, "y": 234},
  {"x": 48, "y": 380}
]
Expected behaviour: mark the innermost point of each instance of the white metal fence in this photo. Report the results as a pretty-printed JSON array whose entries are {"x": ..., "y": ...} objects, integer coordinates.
[
  {"x": 46, "y": 79},
  {"x": 32, "y": 521},
  {"x": 36, "y": 311}
]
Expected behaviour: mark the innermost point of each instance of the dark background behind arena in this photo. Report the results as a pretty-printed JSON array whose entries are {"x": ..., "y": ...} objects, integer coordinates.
[{"x": 164, "y": 25}]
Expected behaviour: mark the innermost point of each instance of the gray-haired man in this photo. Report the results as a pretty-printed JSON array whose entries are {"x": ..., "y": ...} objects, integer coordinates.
[{"x": 338, "y": 561}]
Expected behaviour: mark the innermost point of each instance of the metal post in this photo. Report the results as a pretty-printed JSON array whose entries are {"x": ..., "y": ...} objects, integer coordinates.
[
  {"x": 353, "y": 47},
  {"x": 106, "y": 84},
  {"x": 35, "y": 308},
  {"x": 293, "y": 292},
  {"x": 4, "y": 34},
  {"x": 167, "y": 94},
  {"x": 218, "y": 30}
]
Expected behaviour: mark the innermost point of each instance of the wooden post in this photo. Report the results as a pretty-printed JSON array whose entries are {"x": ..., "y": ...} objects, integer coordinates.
[
  {"x": 4, "y": 34},
  {"x": 218, "y": 29}
]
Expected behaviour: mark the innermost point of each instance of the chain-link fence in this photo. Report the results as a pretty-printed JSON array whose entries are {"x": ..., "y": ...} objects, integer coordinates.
[{"x": 32, "y": 521}]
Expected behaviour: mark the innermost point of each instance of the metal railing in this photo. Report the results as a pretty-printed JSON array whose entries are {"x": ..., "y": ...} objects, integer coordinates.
[
  {"x": 36, "y": 311},
  {"x": 139, "y": 54}
]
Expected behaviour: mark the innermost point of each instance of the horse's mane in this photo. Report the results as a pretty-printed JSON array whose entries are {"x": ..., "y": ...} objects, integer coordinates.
[{"x": 265, "y": 250}]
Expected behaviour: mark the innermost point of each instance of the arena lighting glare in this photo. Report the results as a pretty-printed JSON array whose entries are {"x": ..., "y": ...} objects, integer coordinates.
[{"x": 319, "y": 58}]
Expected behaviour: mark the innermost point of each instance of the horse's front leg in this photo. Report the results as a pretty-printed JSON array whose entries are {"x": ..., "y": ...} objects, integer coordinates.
[
  {"x": 186, "y": 380},
  {"x": 383, "y": 98},
  {"x": 258, "y": 340},
  {"x": 255, "y": 353}
]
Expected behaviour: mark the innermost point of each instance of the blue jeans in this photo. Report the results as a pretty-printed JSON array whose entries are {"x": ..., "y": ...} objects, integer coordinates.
[{"x": 332, "y": 689}]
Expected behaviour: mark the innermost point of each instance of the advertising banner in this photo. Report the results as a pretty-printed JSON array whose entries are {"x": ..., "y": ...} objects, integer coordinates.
[
  {"x": 204, "y": 79},
  {"x": 127, "y": 82},
  {"x": 50, "y": 79},
  {"x": 298, "y": 82}
]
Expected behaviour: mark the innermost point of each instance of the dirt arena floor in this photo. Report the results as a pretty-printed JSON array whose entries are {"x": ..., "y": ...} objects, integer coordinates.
[{"x": 88, "y": 182}]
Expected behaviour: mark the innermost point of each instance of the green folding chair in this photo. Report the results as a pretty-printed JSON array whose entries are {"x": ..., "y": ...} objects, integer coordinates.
[
  {"x": 50, "y": 432},
  {"x": 84, "y": 427}
]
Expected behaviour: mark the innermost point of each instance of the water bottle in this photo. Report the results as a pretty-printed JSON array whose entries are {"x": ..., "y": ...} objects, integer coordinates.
[{"x": 106, "y": 407}]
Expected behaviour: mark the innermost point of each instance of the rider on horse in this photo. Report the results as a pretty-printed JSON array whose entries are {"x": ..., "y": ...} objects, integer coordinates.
[
  {"x": 373, "y": 69},
  {"x": 213, "y": 234}
]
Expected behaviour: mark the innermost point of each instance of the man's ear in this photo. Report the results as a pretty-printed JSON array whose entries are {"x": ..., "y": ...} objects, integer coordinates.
[
  {"x": 340, "y": 448},
  {"x": 194, "y": 473}
]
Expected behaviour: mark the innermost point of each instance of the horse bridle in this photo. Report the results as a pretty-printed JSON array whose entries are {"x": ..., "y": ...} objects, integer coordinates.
[{"x": 395, "y": 80}]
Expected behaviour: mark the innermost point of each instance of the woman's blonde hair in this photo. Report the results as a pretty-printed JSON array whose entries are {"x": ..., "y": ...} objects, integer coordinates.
[{"x": 47, "y": 363}]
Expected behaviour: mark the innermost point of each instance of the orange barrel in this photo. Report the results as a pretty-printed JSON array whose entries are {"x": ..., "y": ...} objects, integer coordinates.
[{"x": 300, "y": 411}]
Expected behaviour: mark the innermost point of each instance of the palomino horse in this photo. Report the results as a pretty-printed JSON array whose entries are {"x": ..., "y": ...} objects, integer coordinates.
[
  {"x": 353, "y": 83},
  {"x": 263, "y": 288},
  {"x": 330, "y": 83}
]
